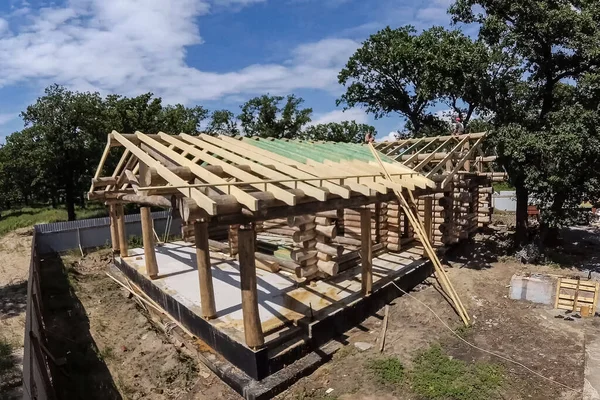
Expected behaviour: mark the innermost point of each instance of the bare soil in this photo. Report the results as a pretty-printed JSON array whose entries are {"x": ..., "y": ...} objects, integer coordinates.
[
  {"x": 113, "y": 350},
  {"x": 15, "y": 249}
]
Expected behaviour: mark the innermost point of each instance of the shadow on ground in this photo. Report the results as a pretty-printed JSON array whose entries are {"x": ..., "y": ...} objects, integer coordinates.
[
  {"x": 85, "y": 374},
  {"x": 13, "y": 299},
  {"x": 480, "y": 252},
  {"x": 579, "y": 247}
]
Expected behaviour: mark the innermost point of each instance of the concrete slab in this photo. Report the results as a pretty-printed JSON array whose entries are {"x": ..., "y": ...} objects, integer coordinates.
[
  {"x": 282, "y": 301},
  {"x": 535, "y": 288},
  {"x": 591, "y": 388}
]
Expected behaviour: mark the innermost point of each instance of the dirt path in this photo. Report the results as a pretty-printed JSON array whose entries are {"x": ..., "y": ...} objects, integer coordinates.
[
  {"x": 112, "y": 349},
  {"x": 523, "y": 331},
  {"x": 15, "y": 249}
]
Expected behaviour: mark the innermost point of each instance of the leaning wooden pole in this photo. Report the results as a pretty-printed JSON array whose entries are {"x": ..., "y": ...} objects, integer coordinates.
[{"x": 419, "y": 229}]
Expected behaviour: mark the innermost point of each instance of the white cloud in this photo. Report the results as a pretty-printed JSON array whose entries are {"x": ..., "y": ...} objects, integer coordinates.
[
  {"x": 390, "y": 137},
  {"x": 7, "y": 117},
  {"x": 353, "y": 114},
  {"x": 133, "y": 46}
]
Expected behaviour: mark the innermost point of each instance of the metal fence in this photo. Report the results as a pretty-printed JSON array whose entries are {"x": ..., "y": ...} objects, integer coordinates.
[
  {"x": 37, "y": 378},
  {"x": 90, "y": 233},
  {"x": 55, "y": 238}
]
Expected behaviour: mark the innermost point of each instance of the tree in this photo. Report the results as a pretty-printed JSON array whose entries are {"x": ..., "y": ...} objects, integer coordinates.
[
  {"x": 262, "y": 116},
  {"x": 387, "y": 74},
  {"x": 346, "y": 131},
  {"x": 222, "y": 122},
  {"x": 72, "y": 135},
  {"x": 147, "y": 114},
  {"x": 556, "y": 46}
]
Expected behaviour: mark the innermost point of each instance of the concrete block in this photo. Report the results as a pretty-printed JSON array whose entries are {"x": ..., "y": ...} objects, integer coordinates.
[{"x": 536, "y": 288}]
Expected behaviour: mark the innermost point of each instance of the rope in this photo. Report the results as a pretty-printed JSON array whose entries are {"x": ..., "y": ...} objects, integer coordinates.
[{"x": 484, "y": 350}]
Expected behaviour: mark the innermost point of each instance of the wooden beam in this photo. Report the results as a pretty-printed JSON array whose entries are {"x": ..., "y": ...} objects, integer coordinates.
[
  {"x": 412, "y": 157},
  {"x": 235, "y": 147},
  {"x": 121, "y": 229},
  {"x": 114, "y": 233},
  {"x": 312, "y": 191},
  {"x": 243, "y": 197},
  {"x": 105, "y": 154},
  {"x": 252, "y": 325},
  {"x": 431, "y": 155},
  {"x": 459, "y": 165},
  {"x": 366, "y": 252},
  {"x": 202, "y": 200},
  {"x": 414, "y": 145},
  {"x": 120, "y": 164},
  {"x": 428, "y": 220},
  {"x": 148, "y": 241},
  {"x": 449, "y": 157},
  {"x": 207, "y": 292},
  {"x": 311, "y": 169},
  {"x": 339, "y": 169}
]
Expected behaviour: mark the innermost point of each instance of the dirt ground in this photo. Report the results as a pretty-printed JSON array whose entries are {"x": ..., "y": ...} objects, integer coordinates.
[
  {"x": 15, "y": 249},
  {"x": 113, "y": 350}
]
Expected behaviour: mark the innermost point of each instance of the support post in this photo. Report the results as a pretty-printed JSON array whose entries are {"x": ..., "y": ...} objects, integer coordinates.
[
  {"x": 366, "y": 252},
  {"x": 427, "y": 220},
  {"x": 252, "y": 326},
  {"x": 121, "y": 229},
  {"x": 114, "y": 232},
  {"x": 148, "y": 239},
  {"x": 207, "y": 293}
]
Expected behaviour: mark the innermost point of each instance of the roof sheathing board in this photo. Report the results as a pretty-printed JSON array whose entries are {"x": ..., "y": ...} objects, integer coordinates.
[{"x": 316, "y": 151}]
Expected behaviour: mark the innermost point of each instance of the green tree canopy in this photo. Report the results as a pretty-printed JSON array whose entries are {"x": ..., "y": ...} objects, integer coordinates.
[
  {"x": 264, "y": 116},
  {"x": 346, "y": 131},
  {"x": 223, "y": 122}
]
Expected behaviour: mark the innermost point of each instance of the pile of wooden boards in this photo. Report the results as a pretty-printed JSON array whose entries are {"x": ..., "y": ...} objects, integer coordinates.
[
  {"x": 573, "y": 294},
  {"x": 484, "y": 206}
]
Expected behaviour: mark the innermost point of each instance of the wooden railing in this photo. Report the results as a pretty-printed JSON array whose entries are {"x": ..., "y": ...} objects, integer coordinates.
[{"x": 37, "y": 377}]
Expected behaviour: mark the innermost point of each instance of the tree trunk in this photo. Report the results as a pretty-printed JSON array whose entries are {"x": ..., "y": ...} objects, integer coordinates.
[
  {"x": 550, "y": 233},
  {"x": 70, "y": 200},
  {"x": 522, "y": 219},
  {"x": 54, "y": 202}
]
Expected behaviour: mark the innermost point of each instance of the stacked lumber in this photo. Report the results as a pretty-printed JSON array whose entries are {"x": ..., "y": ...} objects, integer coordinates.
[
  {"x": 485, "y": 206},
  {"x": 219, "y": 232},
  {"x": 327, "y": 252},
  {"x": 379, "y": 223},
  {"x": 233, "y": 239},
  {"x": 304, "y": 234},
  {"x": 395, "y": 225}
]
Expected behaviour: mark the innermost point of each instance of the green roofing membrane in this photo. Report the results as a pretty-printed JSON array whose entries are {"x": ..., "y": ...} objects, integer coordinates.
[{"x": 300, "y": 151}]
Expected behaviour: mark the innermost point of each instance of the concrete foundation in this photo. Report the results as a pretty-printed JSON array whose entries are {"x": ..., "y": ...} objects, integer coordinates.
[{"x": 296, "y": 318}]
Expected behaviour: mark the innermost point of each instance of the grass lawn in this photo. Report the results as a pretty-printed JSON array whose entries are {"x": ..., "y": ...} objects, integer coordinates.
[{"x": 29, "y": 216}]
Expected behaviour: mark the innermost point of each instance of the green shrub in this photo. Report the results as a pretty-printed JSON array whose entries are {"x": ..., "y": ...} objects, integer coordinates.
[
  {"x": 387, "y": 370},
  {"x": 439, "y": 377}
]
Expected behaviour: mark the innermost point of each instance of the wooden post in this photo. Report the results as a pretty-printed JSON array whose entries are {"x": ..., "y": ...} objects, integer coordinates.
[
  {"x": 252, "y": 326},
  {"x": 365, "y": 251},
  {"x": 114, "y": 232},
  {"x": 207, "y": 292},
  {"x": 465, "y": 149},
  {"x": 427, "y": 221},
  {"x": 148, "y": 239},
  {"x": 121, "y": 229}
]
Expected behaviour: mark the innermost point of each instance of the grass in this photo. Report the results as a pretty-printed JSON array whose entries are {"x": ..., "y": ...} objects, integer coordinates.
[
  {"x": 502, "y": 186},
  {"x": 387, "y": 370},
  {"x": 29, "y": 216},
  {"x": 7, "y": 361},
  {"x": 436, "y": 376}
]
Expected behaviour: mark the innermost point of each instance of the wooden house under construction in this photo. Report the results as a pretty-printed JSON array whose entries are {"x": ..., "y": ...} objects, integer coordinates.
[{"x": 286, "y": 243}]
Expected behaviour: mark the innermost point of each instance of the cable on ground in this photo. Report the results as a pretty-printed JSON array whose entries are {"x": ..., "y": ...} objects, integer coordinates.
[{"x": 484, "y": 350}]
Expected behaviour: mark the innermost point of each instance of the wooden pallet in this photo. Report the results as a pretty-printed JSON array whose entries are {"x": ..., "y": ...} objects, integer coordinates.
[{"x": 571, "y": 294}]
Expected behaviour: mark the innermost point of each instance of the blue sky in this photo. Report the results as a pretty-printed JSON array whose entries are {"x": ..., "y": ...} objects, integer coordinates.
[{"x": 216, "y": 53}]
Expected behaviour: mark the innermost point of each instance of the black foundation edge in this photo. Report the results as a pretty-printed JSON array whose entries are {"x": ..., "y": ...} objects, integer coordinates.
[
  {"x": 293, "y": 365},
  {"x": 252, "y": 363}
]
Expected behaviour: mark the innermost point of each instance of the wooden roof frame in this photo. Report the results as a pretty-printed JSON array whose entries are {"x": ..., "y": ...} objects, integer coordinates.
[{"x": 229, "y": 180}]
